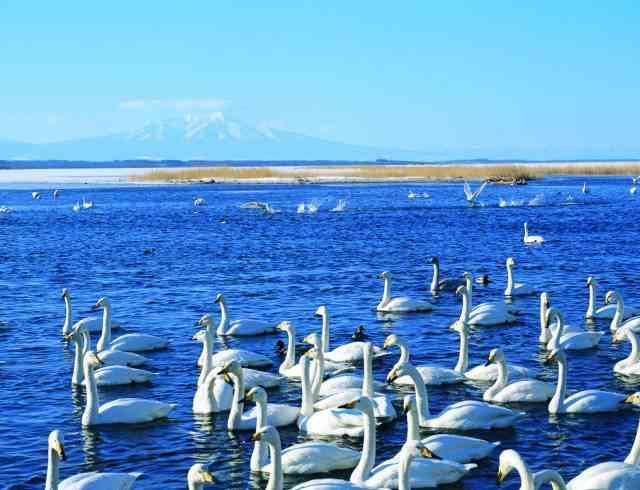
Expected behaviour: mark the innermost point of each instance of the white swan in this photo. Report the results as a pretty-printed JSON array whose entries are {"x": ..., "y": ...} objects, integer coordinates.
[
  {"x": 587, "y": 401},
  {"x": 585, "y": 189},
  {"x": 108, "y": 375},
  {"x": 431, "y": 375},
  {"x": 616, "y": 323},
  {"x": 527, "y": 390},
  {"x": 198, "y": 476},
  {"x": 198, "y": 201},
  {"x": 464, "y": 415},
  {"x": 401, "y": 304},
  {"x": 299, "y": 459},
  {"x": 516, "y": 288},
  {"x": 240, "y": 327},
  {"x": 575, "y": 340},
  {"x": 245, "y": 357},
  {"x": 131, "y": 342},
  {"x": 630, "y": 366},
  {"x": 93, "y": 324},
  {"x": 613, "y": 475},
  {"x": 484, "y": 314},
  {"x": 608, "y": 311},
  {"x": 510, "y": 460},
  {"x": 213, "y": 394},
  {"x": 547, "y": 330},
  {"x": 111, "y": 357},
  {"x": 277, "y": 414},
  {"x": 121, "y": 410},
  {"x": 383, "y": 408},
  {"x": 349, "y": 352},
  {"x": 460, "y": 449},
  {"x": 81, "y": 481},
  {"x": 531, "y": 239},
  {"x": 35, "y": 195},
  {"x": 437, "y": 284},
  {"x": 473, "y": 196}
]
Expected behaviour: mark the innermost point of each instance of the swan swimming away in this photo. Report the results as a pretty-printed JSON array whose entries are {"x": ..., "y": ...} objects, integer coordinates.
[
  {"x": 531, "y": 239},
  {"x": 630, "y": 366},
  {"x": 609, "y": 310},
  {"x": 82, "y": 481},
  {"x": 510, "y": 460},
  {"x": 401, "y": 304},
  {"x": 437, "y": 284},
  {"x": 121, "y": 410},
  {"x": 239, "y": 327},
  {"x": 515, "y": 288},
  {"x": 472, "y": 196},
  {"x": 526, "y": 390}
]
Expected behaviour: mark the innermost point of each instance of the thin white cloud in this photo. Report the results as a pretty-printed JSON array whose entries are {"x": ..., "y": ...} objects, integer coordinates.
[{"x": 180, "y": 105}]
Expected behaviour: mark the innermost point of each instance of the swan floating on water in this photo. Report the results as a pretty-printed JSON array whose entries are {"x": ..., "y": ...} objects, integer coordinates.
[
  {"x": 198, "y": 201},
  {"x": 616, "y": 322},
  {"x": 401, "y": 304},
  {"x": 437, "y": 284},
  {"x": 570, "y": 340},
  {"x": 340, "y": 206},
  {"x": 510, "y": 460},
  {"x": 35, "y": 195},
  {"x": 472, "y": 196},
  {"x": 585, "y": 189},
  {"x": 86, "y": 204},
  {"x": 515, "y": 288},
  {"x": 240, "y": 327},
  {"x": 630, "y": 366},
  {"x": 531, "y": 239},
  {"x": 111, "y": 357},
  {"x": 199, "y": 475},
  {"x": 609, "y": 310},
  {"x": 77, "y": 207},
  {"x": 484, "y": 314}
]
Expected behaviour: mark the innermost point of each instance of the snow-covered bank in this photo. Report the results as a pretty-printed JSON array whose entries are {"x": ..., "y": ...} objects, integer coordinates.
[{"x": 70, "y": 176}]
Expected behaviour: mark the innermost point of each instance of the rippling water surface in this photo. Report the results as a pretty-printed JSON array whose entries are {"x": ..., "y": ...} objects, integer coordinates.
[{"x": 282, "y": 267}]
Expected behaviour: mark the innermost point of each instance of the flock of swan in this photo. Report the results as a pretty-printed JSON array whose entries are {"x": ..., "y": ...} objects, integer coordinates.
[{"x": 336, "y": 401}]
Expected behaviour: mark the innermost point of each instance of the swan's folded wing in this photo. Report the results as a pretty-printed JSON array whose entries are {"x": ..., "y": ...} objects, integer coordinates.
[
  {"x": 423, "y": 473},
  {"x": 317, "y": 457},
  {"x": 99, "y": 481},
  {"x": 129, "y": 410},
  {"x": 607, "y": 476},
  {"x": 594, "y": 401}
]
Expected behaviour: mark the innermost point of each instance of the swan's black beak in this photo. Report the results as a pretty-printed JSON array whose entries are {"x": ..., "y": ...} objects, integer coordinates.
[
  {"x": 488, "y": 362},
  {"x": 351, "y": 404},
  {"x": 391, "y": 377},
  {"x": 63, "y": 454},
  {"x": 425, "y": 452},
  {"x": 100, "y": 361}
]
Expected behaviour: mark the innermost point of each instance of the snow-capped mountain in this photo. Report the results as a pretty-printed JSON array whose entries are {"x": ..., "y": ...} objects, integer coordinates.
[{"x": 211, "y": 137}]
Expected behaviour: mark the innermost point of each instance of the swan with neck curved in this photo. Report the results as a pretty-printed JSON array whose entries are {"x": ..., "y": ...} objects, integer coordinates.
[
  {"x": 527, "y": 390},
  {"x": 630, "y": 366},
  {"x": 277, "y": 414},
  {"x": 213, "y": 394},
  {"x": 547, "y": 330},
  {"x": 484, "y": 314},
  {"x": 608, "y": 311},
  {"x": 131, "y": 342},
  {"x": 199, "y": 476},
  {"x": 510, "y": 460},
  {"x": 121, "y": 410},
  {"x": 531, "y": 239},
  {"x": 447, "y": 284},
  {"x": 111, "y": 357},
  {"x": 515, "y": 288},
  {"x": 240, "y": 327},
  {"x": 245, "y": 357},
  {"x": 570, "y": 340},
  {"x": 464, "y": 415},
  {"x": 81, "y": 481},
  {"x": 400, "y": 304},
  {"x": 616, "y": 322},
  {"x": 93, "y": 324},
  {"x": 105, "y": 376},
  {"x": 587, "y": 401}
]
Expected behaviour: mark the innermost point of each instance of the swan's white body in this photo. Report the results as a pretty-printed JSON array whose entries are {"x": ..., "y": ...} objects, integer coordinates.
[
  {"x": 473, "y": 196},
  {"x": 131, "y": 342},
  {"x": 630, "y": 366},
  {"x": 547, "y": 329},
  {"x": 213, "y": 394},
  {"x": 510, "y": 460},
  {"x": 402, "y": 304},
  {"x": 617, "y": 323},
  {"x": 120, "y": 411},
  {"x": 198, "y": 201},
  {"x": 485, "y": 314},
  {"x": 527, "y": 390},
  {"x": 335, "y": 359},
  {"x": 93, "y": 324},
  {"x": 464, "y": 415},
  {"x": 531, "y": 239},
  {"x": 86, "y": 204},
  {"x": 35, "y": 195},
  {"x": 608, "y": 311},
  {"x": 573, "y": 340},
  {"x": 587, "y": 401},
  {"x": 240, "y": 327},
  {"x": 516, "y": 288},
  {"x": 112, "y": 357}
]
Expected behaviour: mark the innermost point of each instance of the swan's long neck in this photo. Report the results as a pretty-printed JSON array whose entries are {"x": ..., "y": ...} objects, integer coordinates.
[
  {"x": 367, "y": 379},
  {"x": 422, "y": 397},
  {"x": 557, "y": 402},
  {"x": 224, "y": 318},
  {"x": 80, "y": 343},
  {"x": 206, "y": 358},
  {"x": 634, "y": 356},
  {"x": 104, "y": 342},
  {"x": 260, "y": 454},
  {"x": 556, "y": 334},
  {"x": 548, "y": 476},
  {"x": 194, "y": 485},
  {"x": 404, "y": 482},
  {"x": 93, "y": 401},
  {"x": 404, "y": 353},
  {"x": 634, "y": 455},
  {"x": 275, "y": 452},
  {"x": 325, "y": 331},
  {"x": 591, "y": 308},
  {"x": 52, "y": 470},
  {"x": 208, "y": 385},
  {"x": 544, "y": 326},
  {"x": 617, "y": 317},
  {"x": 66, "y": 326},
  {"x": 463, "y": 353},
  {"x": 436, "y": 277},
  {"x": 526, "y": 477},
  {"x": 413, "y": 425},
  {"x": 466, "y": 303},
  {"x": 318, "y": 373},
  {"x": 386, "y": 293},
  {"x": 509, "y": 289},
  {"x": 469, "y": 281},
  {"x": 306, "y": 408},
  {"x": 290, "y": 358},
  {"x": 526, "y": 231},
  {"x": 237, "y": 405},
  {"x": 368, "y": 456},
  {"x": 501, "y": 380}
]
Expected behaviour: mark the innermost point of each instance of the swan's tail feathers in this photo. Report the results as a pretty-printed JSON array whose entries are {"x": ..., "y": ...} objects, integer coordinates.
[
  {"x": 496, "y": 444},
  {"x": 378, "y": 352},
  {"x": 470, "y": 466},
  {"x": 136, "y": 474}
]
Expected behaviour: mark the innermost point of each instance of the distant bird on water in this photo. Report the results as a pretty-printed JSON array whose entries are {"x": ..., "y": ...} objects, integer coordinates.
[{"x": 473, "y": 196}]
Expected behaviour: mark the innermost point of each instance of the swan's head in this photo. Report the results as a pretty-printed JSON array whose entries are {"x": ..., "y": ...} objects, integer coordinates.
[
  {"x": 385, "y": 275},
  {"x": 511, "y": 262},
  {"x": 256, "y": 395},
  {"x": 102, "y": 303},
  {"x": 591, "y": 281},
  {"x": 620, "y": 335},
  {"x": 321, "y": 311},
  {"x": 461, "y": 290},
  {"x": 544, "y": 299},
  {"x": 434, "y": 261},
  {"x": 398, "y": 372},
  {"x": 219, "y": 298},
  {"x": 56, "y": 443},
  {"x": 506, "y": 466},
  {"x": 200, "y": 336},
  {"x": 391, "y": 340},
  {"x": 205, "y": 321},
  {"x": 362, "y": 403},
  {"x": 284, "y": 326},
  {"x": 633, "y": 398},
  {"x": 555, "y": 355},
  {"x": 496, "y": 355},
  {"x": 555, "y": 314},
  {"x": 268, "y": 434},
  {"x": 313, "y": 339},
  {"x": 65, "y": 293},
  {"x": 232, "y": 367},
  {"x": 200, "y": 473},
  {"x": 408, "y": 403},
  {"x": 92, "y": 359},
  {"x": 611, "y": 297}
]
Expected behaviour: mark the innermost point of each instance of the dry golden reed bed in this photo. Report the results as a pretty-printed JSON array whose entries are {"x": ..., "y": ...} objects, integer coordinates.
[{"x": 367, "y": 173}]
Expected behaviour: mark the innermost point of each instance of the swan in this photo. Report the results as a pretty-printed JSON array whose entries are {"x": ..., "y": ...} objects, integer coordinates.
[
  {"x": 86, "y": 204},
  {"x": 531, "y": 239},
  {"x": 613, "y": 475},
  {"x": 131, "y": 342},
  {"x": 341, "y": 205},
  {"x": 484, "y": 314},
  {"x": 56, "y": 193},
  {"x": 277, "y": 414},
  {"x": 299, "y": 459},
  {"x": 438, "y": 284},
  {"x": 510, "y": 460},
  {"x": 111, "y": 357},
  {"x": 527, "y": 390},
  {"x": 213, "y": 394},
  {"x": 587, "y": 401},
  {"x": 632, "y": 323},
  {"x": 93, "y": 324},
  {"x": 198, "y": 476},
  {"x": 240, "y": 327},
  {"x": 108, "y": 375},
  {"x": 121, "y": 410},
  {"x": 401, "y": 304},
  {"x": 585, "y": 189},
  {"x": 547, "y": 331},
  {"x": 517, "y": 288},
  {"x": 431, "y": 375},
  {"x": 331, "y": 422},
  {"x": 460, "y": 449},
  {"x": 349, "y": 352},
  {"x": 35, "y": 195},
  {"x": 82, "y": 481},
  {"x": 464, "y": 415},
  {"x": 245, "y": 357},
  {"x": 289, "y": 368},
  {"x": 608, "y": 311},
  {"x": 473, "y": 196},
  {"x": 383, "y": 408},
  {"x": 630, "y": 365},
  {"x": 198, "y": 201},
  {"x": 571, "y": 340}
]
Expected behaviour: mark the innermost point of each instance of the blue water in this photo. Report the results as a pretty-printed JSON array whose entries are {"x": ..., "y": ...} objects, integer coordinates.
[{"x": 282, "y": 267}]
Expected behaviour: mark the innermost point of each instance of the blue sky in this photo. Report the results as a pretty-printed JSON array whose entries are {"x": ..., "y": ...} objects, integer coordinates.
[{"x": 414, "y": 75}]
